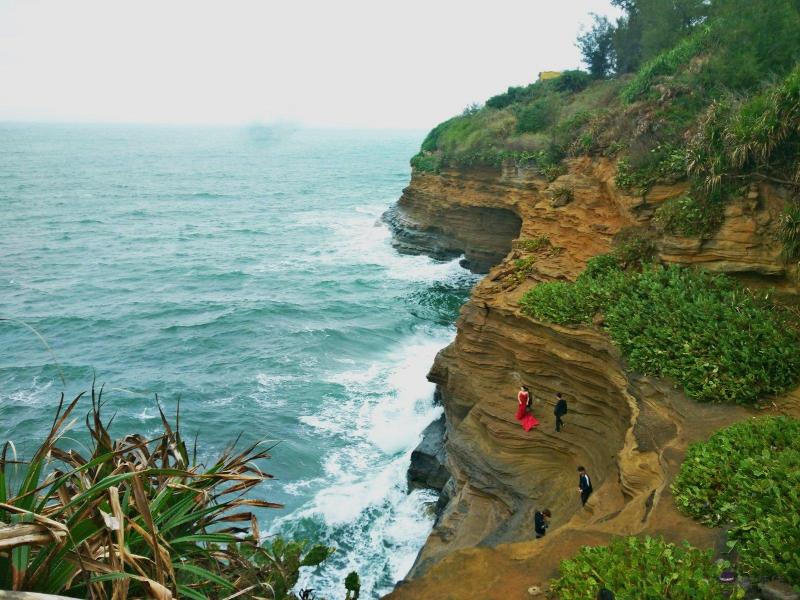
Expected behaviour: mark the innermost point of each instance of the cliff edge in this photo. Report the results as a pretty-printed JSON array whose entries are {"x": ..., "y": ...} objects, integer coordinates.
[{"x": 630, "y": 431}]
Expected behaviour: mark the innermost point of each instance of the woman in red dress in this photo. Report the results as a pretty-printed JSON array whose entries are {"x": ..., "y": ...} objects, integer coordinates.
[{"x": 524, "y": 415}]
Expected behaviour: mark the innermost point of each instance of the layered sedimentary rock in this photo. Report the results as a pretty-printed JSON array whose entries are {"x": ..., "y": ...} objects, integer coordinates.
[{"x": 630, "y": 432}]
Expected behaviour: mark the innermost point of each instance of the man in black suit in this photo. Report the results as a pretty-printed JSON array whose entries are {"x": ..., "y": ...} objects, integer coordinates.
[
  {"x": 584, "y": 485},
  {"x": 541, "y": 521},
  {"x": 560, "y": 410}
]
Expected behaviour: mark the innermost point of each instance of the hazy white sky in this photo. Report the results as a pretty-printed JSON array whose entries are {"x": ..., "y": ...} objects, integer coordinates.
[{"x": 348, "y": 63}]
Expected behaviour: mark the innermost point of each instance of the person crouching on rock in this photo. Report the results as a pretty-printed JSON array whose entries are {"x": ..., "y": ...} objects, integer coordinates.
[
  {"x": 524, "y": 415},
  {"x": 541, "y": 521},
  {"x": 584, "y": 485}
]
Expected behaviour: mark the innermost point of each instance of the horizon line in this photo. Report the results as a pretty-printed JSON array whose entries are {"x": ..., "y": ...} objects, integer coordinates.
[{"x": 288, "y": 125}]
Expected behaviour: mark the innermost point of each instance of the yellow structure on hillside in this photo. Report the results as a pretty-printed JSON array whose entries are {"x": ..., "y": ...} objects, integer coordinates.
[{"x": 545, "y": 75}]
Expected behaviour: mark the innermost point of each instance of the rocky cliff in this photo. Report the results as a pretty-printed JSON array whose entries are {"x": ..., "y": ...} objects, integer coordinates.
[{"x": 629, "y": 431}]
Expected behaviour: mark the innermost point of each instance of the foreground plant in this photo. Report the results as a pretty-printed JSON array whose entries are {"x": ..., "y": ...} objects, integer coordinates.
[
  {"x": 139, "y": 517},
  {"x": 642, "y": 569},
  {"x": 747, "y": 477}
]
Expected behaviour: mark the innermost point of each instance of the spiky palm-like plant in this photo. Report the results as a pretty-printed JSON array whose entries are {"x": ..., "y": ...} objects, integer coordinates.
[{"x": 138, "y": 517}]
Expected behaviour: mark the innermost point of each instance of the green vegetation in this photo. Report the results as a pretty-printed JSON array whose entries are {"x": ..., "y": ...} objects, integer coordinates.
[
  {"x": 688, "y": 217},
  {"x": 534, "y": 126},
  {"x": 522, "y": 268},
  {"x": 747, "y": 477},
  {"x": 790, "y": 232},
  {"x": 139, "y": 517},
  {"x": 572, "y": 81},
  {"x": 540, "y": 242},
  {"x": 757, "y": 137},
  {"x": 633, "y": 250},
  {"x": 701, "y": 90},
  {"x": 745, "y": 40},
  {"x": 537, "y": 116},
  {"x": 562, "y": 195},
  {"x": 352, "y": 584},
  {"x": 427, "y": 163},
  {"x": 664, "y": 162},
  {"x": 644, "y": 569},
  {"x": 666, "y": 63},
  {"x": 718, "y": 341}
]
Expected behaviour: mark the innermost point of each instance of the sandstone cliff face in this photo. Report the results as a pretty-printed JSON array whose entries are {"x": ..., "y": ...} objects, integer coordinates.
[{"x": 630, "y": 432}]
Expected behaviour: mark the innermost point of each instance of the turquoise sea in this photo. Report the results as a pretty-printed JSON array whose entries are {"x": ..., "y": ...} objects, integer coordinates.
[{"x": 245, "y": 271}]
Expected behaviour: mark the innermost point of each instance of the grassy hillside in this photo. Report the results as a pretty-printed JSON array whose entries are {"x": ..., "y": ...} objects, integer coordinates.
[{"x": 703, "y": 91}]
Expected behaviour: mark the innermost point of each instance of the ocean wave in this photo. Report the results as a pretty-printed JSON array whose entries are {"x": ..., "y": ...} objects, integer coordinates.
[{"x": 360, "y": 503}]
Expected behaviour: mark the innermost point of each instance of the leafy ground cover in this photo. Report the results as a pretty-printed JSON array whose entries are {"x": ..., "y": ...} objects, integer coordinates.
[
  {"x": 642, "y": 569},
  {"x": 720, "y": 342},
  {"x": 747, "y": 477},
  {"x": 689, "y": 217}
]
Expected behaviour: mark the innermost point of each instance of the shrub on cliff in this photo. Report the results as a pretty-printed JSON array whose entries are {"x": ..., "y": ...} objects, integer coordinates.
[
  {"x": 666, "y": 63},
  {"x": 642, "y": 568},
  {"x": 717, "y": 340},
  {"x": 536, "y": 116},
  {"x": 689, "y": 217},
  {"x": 747, "y": 477},
  {"x": 573, "y": 80},
  {"x": 789, "y": 232},
  {"x": 757, "y": 137},
  {"x": 139, "y": 517}
]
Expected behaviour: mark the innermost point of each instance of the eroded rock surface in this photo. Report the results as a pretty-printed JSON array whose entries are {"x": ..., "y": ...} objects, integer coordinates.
[{"x": 630, "y": 432}]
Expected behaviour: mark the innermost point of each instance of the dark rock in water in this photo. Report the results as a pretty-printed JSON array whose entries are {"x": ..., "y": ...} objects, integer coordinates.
[
  {"x": 409, "y": 237},
  {"x": 437, "y": 396},
  {"x": 428, "y": 460},
  {"x": 777, "y": 590},
  {"x": 483, "y": 235}
]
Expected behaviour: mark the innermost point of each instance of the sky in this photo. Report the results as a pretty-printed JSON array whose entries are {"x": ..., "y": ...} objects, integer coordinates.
[{"x": 405, "y": 64}]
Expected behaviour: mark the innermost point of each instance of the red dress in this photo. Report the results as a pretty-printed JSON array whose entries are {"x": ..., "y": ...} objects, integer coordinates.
[{"x": 525, "y": 418}]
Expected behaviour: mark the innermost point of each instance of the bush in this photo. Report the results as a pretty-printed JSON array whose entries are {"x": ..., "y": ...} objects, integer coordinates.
[
  {"x": 572, "y": 81},
  {"x": 642, "y": 569},
  {"x": 688, "y": 217},
  {"x": 562, "y": 196},
  {"x": 757, "y": 137},
  {"x": 663, "y": 163},
  {"x": 714, "y": 338},
  {"x": 427, "y": 163},
  {"x": 752, "y": 42},
  {"x": 634, "y": 251},
  {"x": 535, "y": 244},
  {"x": 790, "y": 232},
  {"x": 747, "y": 476},
  {"x": 577, "y": 303},
  {"x": 536, "y": 116},
  {"x": 514, "y": 95},
  {"x": 666, "y": 63}
]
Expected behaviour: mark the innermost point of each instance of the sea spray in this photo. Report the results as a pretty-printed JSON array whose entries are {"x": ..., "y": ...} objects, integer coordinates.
[{"x": 362, "y": 506}]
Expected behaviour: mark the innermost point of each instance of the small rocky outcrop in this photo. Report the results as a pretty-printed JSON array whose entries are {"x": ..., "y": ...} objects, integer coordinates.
[
  {"x": 446, "y": 230},
  {"x": 429, "y": 459}
]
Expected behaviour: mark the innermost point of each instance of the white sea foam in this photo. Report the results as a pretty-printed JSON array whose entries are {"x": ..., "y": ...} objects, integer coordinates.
[
  {"x": 33, "y": 396},
  {"x": 361, "y": 501},
  {"x": 369, "y": 243}
]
